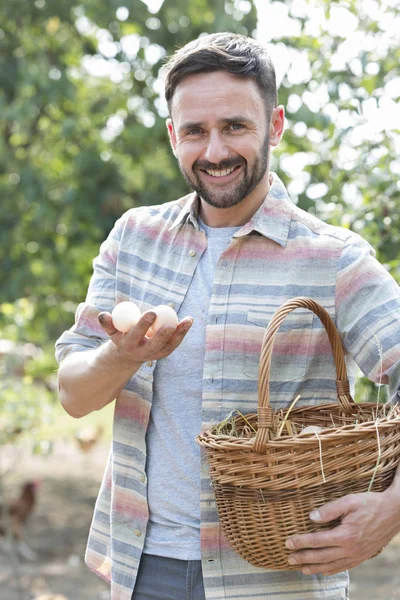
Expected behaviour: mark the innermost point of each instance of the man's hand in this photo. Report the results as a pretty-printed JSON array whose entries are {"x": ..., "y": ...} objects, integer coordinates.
[
  {"x": 134, "y": 347},
  {"x": 368, "y": 522}
]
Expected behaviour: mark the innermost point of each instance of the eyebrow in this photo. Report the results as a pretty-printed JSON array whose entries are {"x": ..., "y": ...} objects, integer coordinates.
[
  {"x": 223, "y": 121},
  {"x": 191, "y": 125}
]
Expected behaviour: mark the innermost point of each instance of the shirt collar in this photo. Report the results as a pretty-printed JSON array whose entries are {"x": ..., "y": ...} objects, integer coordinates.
[
  {"x": 273, "y": 217},
  {"x": 271, "y": 220},
  {"x": 189, "y": 212}
]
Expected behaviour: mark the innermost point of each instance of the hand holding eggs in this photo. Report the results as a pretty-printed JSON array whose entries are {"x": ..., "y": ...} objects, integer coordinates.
[{"x": 126, "y": 314}]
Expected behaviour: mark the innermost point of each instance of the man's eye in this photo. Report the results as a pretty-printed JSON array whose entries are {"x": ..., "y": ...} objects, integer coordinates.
[
  {"x": 194, "y": 131},
  {"x": 236, "y": 126}
]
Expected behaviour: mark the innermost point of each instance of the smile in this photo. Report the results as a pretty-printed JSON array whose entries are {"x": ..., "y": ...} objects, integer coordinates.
[{"x": 221, "y": 173}]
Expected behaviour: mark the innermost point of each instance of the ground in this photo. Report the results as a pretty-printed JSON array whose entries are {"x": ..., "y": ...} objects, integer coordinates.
[{"x": 58, "y": 530}]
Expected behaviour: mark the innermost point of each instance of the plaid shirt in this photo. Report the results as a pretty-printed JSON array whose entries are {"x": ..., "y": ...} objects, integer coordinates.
[{"x": 150, "y": 257}]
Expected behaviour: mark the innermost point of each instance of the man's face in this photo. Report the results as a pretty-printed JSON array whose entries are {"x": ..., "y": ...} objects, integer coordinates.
[{"x": 219, "y": 133}]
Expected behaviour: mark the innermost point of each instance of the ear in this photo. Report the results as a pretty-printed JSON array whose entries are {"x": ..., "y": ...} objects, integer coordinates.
[
  {"x": 172, "y": 135},
  {"x": 276, "y": 125}
]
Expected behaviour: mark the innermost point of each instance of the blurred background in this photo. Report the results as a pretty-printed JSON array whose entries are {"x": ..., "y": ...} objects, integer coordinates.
[{"x": 83, "y": 138}]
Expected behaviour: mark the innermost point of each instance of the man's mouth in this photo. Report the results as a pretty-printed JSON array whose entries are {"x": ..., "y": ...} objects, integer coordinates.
[{"x": 220, "y": 173}]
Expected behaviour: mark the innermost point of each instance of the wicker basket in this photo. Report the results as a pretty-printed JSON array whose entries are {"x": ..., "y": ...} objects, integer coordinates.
[{"x": 265, "y": 487}]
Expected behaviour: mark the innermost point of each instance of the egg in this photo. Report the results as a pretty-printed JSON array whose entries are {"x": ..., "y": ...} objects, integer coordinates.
[
  {"x": 125, "y": 315},
  {"x": 312, "y": 429},
  {"x": 165, "y": 315}
]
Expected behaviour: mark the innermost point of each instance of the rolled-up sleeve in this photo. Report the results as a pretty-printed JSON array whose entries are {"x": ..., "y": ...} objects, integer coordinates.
[
  {"x": 368, "y": 313},
  {"x": 86, "y": 333}
]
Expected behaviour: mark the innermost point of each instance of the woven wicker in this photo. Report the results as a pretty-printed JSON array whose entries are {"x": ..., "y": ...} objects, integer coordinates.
[{"x": 265, "y": 486}]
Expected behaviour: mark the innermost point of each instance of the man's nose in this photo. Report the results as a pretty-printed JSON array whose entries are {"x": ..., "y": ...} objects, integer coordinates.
[{"x": 216, "y": 149}]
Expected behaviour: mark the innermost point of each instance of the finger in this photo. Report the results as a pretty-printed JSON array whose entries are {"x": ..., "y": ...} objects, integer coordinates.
[
  {"x": 170, "y": 332},
  {"x": 167, "y": 338},
  {"x": 158, "y": 343},
  {"x": 184, "y": 325},
  {"x": 330, "y": 568},
  {"x": 186, "y": 320},
  {"x": 137, "y": 332},
  {"x": 105, "y": 320},
  {"x": 180, "y": 332},
  {"x": 318, "y": 539},
  {"x": 317, "y": 556},
  {"x": 335, "y": 509}
]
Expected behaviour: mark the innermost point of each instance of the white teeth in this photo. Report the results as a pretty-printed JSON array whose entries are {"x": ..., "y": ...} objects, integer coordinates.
[{"x": 220, "y": 173}]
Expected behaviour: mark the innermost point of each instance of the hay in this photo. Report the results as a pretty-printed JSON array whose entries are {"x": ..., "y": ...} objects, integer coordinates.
[{"x": 238, "y": 425}]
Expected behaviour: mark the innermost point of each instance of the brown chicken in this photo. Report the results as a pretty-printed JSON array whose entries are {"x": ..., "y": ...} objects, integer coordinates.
[{"x": 19, "y": 510}]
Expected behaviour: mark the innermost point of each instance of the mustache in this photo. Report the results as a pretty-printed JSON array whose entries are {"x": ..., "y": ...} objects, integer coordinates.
[{"x": 221, "y": 166}]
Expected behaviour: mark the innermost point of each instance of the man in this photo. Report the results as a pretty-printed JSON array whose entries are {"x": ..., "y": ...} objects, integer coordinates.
[{"x": 228, "y": 255}]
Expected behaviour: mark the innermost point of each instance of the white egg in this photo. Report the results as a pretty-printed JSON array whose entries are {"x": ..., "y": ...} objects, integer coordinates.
[
  {"x": 125, "y": 315},
  {"x": 165, "y": 316},
  {"x": 312, "y": 429}
]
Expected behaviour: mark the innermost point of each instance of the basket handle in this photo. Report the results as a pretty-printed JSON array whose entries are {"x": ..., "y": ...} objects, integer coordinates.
[{"x": 265, "y": 411}]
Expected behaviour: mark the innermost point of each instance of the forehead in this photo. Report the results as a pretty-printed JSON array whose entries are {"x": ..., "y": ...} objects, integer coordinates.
[{"x": 208, "y": 96}]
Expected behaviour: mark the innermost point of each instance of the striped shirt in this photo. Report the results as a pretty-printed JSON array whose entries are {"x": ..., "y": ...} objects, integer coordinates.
[{"x": 149, "y": 258}]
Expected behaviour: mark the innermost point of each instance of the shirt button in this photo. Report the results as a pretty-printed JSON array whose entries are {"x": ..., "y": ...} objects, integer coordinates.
[
  {"x": 143, "y": 478},
  {"x": 192, "y": 253},
  {"x": 171, "y": 304},
  {"x": 137, "y": 533},
  {"x": 149, "y": 363}
]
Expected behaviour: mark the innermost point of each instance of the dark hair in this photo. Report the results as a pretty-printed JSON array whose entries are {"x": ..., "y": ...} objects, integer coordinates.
[{"x": 230, "y": 52}]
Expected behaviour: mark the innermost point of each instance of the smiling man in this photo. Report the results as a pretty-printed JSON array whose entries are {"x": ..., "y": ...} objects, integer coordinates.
[{"x": 228, "y": 254}]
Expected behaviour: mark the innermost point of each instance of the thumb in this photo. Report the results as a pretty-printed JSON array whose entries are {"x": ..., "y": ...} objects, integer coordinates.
[
  {"x": 332, "y": 510},
  {"x": 105, "y": 320}
]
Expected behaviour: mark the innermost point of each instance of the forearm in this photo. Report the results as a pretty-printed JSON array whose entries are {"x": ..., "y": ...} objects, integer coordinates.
[{"x": 92, "y": 379}]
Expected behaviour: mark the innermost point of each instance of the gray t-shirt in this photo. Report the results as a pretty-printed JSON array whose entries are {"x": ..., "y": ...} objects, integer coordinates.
[{"x": 173, "y": 457}]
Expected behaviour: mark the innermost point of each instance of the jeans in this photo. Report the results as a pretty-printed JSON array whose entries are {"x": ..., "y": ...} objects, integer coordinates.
[{"x": 161, "y": 578}]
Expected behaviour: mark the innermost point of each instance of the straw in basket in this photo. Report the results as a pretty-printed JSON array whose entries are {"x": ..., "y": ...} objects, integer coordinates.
[{"x": 265, "y": 486}]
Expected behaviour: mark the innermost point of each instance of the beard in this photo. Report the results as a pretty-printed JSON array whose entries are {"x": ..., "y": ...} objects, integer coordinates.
[{"x": 225, "y": 198}]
